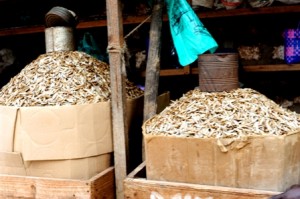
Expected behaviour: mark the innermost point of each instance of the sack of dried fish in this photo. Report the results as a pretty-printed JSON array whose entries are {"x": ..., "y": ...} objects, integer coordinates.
[
  {"x": 62, "y": 78},
  {"x": 236, "y": 139}
]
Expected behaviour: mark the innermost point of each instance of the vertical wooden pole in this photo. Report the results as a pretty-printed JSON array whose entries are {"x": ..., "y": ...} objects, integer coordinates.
[
  {"x": 118, "y": 99},
  {"x": 153, "y": 63}
]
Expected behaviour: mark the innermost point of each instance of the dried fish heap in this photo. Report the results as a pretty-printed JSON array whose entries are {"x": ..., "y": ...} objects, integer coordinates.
[
  {"x": 62, "y": 78},
  {"x": 56, "y": 117},
  {"x": 235, "y": 114},
  {"x": 236, "y": 139}
]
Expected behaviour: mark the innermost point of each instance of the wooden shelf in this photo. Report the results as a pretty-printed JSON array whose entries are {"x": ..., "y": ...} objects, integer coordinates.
[
  {"x": 272, "y": 68},
  {"x": 251, "y": 11},
  {"x": 81, "y": 25},
  {"x": 138, "y": 19},
  {"x": 187, "y": 70},
  {"x": 255, "y": 68}
]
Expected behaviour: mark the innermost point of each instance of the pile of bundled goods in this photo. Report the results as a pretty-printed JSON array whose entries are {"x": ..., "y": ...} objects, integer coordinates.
[
  {"x": 62, "y": 78},
  {"x": 241, "y": 112}
]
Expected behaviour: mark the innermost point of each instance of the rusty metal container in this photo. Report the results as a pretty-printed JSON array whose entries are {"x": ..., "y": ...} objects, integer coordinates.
[{"x": 218, "y": 72}]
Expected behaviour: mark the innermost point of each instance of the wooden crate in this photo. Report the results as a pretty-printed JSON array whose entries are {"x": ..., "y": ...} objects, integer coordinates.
[
  {"x": 99, "y": 186},
  {"x": 137, "y": 186}
]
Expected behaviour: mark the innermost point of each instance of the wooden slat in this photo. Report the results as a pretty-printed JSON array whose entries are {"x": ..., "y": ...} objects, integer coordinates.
[
  {"x": 272, "y": 68},
  {"x": 250, "y": 11},
  {"x": 139, "y": 19},
  {"x": 253, "y": 68},
  {"x": 142, "y": 188},
  {"x": 21, "y": 187},
  {"x": 153, "y": 61},
  {"x": 21, "y": 30},
  {"x": 102, "y": 23},
  {"x": 173, "y": 72},
  {"x": 137, "y": 187}
]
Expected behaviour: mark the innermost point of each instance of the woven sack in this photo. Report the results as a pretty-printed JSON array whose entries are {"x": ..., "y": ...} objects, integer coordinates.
[{"x": 292, "y": 46}]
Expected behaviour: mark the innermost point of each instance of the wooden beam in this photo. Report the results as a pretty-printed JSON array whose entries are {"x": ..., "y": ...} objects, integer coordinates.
[
  {"x": 153, "y": 64},
  {"x": 153, "y": 61},
  {"x": 117, "y": 84},
  {"x": 250, "y": 11},
  {"x": 272, "y": 68},
  {"x": 285, "y": 9}
]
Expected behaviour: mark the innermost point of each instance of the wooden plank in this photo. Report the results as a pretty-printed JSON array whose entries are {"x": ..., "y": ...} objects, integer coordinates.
[
  {"x": 272, "y": 68},
  {"x": 134, "y": 173},
  {"x": 142, "y": 188},
  {"x": 153, "y": 61},
  {"x": 138, "y": 187},
  {"x": 21, "y": 187},
  {"x": 21, "y": 30},
  {"x": 153, "y": 64},
  {"x": 138, "y": 19},
  {"x": 103, "y": 23},
  {"x": 250, "y": 11},
  {"x": 118, "y": 97},
  {"x": 252, "y": 68},
  {"x": 173, "y": 72}
]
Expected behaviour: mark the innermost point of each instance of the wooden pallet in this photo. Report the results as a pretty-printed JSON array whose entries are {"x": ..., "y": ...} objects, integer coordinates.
[
  {"x": 99, "y": 186},
  {"x": 139, "y": 187}
]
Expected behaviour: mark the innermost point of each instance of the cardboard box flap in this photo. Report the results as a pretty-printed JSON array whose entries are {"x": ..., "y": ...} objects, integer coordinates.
[
  {"x": 83, "y": 168},
  {"x": 7, "y": 123},
  {"x": 11, "y": 163},
  {"x": 65, "y": 132}
]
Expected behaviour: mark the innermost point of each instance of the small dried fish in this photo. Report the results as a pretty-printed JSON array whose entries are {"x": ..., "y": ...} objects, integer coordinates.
[
  {"x": 62, "y": 78},
  {"x": 236, "y": 114}
]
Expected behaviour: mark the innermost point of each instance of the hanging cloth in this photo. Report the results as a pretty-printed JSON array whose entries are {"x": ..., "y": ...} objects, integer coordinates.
[{"x": 189, "y": 35}]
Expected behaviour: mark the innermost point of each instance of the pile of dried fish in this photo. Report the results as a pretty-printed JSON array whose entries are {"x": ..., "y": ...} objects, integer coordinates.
[
  {"x": 62, "y": 78},
  {"x": 235, "y": 114}
]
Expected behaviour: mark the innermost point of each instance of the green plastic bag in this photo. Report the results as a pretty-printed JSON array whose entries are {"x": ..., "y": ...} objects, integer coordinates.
[{"x": 189, "y": 35}]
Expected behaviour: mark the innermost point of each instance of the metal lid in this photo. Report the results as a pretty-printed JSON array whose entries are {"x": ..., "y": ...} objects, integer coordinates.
[{"x": 59, "y": 16}]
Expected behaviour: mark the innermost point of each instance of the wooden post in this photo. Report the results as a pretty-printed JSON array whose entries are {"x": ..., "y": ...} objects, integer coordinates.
[
  {"x": 153, "y": 61},
  {"x": 118, "y": 98}
]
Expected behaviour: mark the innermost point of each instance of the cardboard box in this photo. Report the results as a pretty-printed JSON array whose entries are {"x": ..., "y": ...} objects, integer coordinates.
[
  {"x": 58, "y": 141},
  {"x": 264, "y": 163},
  {"x": 63, "y": 132},
  {"x": 11, "y": 163}
]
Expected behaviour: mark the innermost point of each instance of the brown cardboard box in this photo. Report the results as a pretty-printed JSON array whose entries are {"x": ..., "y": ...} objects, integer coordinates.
[
  {"x": 58, "y": 141},
  {"x": 11, "y": 163},
  {"x": 65, "y": 132},
  {"x": 265, "y": 163}
]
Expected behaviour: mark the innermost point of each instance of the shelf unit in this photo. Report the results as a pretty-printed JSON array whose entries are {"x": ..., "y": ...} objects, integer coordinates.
[
  {"x": 202, "y": 15},
  {"x": 139, "y": 19}
]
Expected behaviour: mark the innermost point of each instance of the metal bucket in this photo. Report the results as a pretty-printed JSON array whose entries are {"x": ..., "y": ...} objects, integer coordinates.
[
  {"x": 218, "y": 72},
  {"x": 59, "y": 39}
]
